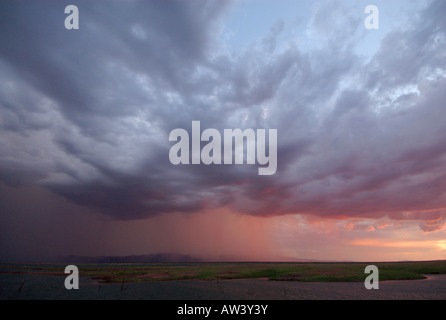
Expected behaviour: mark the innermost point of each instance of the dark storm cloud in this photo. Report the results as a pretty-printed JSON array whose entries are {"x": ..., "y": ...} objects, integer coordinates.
[{"x": 87, "y": 113}]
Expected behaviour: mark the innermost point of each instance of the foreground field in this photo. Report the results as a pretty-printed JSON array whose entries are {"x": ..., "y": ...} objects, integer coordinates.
[{"x": 303, "y": 272}]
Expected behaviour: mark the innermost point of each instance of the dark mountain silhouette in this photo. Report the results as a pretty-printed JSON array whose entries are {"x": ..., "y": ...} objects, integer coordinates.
[{"x": 159, "y": 257}]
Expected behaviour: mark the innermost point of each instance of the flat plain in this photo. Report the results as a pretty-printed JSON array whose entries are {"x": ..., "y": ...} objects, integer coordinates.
[{"x": 398, "y": 280}]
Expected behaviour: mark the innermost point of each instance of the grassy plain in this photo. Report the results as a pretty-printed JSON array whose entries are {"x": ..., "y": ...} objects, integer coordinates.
[{"x": 306, "y": 272}]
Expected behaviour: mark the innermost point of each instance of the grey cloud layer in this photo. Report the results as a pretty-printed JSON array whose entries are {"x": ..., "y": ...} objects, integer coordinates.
[{"x": 87, "y": 114}]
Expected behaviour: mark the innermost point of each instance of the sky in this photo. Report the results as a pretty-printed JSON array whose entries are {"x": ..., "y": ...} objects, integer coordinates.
[{"x": 85, "y": 118}]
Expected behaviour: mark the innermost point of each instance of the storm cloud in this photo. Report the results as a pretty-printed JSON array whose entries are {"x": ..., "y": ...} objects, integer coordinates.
[{"x": 86, "y": 114}]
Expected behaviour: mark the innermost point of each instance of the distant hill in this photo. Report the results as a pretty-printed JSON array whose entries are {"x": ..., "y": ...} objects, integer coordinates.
[{"x": 159, "y": 257}]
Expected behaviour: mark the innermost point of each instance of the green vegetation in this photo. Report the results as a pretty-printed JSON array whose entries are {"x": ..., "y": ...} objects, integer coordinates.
[{"x": 308, "y": 272}]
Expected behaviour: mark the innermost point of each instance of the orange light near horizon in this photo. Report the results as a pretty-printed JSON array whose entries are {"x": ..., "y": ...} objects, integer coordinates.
[
  {"x": 442, "y": 244},
  {"x": 400, "y": 244}
]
